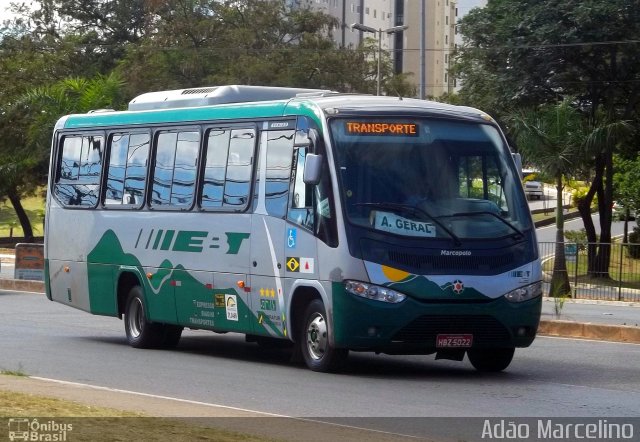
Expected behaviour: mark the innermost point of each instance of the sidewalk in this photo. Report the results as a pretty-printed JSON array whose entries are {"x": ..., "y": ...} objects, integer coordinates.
[{"x": 601, "y": 320}]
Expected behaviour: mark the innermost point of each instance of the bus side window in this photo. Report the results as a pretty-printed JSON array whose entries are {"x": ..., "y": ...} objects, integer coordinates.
[
  {"x": 325, "y": 227},
  {"x": 78, "y": 177},
  {"x": 301, "y": 205},
  {"x": 279, "y": 153},
  {"x": 174, "y": 174},
  {"x": 312, "y": 206},
  {"x": 127, "y": 170}
]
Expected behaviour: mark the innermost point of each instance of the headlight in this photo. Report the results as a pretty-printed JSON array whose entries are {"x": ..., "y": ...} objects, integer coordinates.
[
  {"x": 376, "y": 292},
  {"x": 525, "y": 293}
]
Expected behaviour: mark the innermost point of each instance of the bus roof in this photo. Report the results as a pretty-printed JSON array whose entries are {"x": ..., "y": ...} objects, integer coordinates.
[{"x": 199, "y": 106}]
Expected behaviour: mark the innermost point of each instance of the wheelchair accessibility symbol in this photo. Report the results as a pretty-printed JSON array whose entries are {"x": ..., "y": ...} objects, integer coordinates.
[{"x": 291, "y": 238}]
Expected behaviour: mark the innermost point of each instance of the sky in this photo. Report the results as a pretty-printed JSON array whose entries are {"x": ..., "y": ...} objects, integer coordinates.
[
  {"x": 464, "y": 6},
  {"x": 4, "y": 15},
  {"x": 4, "y": 4}
]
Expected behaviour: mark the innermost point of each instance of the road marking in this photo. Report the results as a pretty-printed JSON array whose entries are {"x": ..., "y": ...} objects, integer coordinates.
[{"x": 207, "y": 404}]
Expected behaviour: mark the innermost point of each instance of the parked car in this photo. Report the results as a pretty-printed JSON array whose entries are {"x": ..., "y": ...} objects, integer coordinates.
[
  {"x": 619, "y": 212},
  {"x": 533, "y": 189}
]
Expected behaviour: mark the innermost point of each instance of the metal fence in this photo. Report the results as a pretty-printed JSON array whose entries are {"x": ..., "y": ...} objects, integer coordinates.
[{"x": 619, "y": 282}]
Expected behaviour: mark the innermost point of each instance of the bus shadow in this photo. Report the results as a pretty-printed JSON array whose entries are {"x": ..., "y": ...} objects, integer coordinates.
[
  {"x": 233, "y": 347},
  {"x": 358, "y": 364}
]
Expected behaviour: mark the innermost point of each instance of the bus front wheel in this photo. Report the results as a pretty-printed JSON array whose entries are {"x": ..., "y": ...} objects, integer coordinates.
[
  {"x": 140, "y": 332},
  {"x": 315, "y": 346},
  {"x": 491, "y": 360}
]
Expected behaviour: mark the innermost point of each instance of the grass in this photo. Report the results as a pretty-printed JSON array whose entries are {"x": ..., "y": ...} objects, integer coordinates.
[
  {"x": 18, "y": 372},
  {"x": 9, "y": 224},
  {"x": 621, "y": 268},
  {"x": 99, "y": 424}
]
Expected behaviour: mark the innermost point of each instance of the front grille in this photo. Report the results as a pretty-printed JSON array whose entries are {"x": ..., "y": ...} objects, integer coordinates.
[
  {"x": 486, "y": 330},
  {"x": 451, "y": 263}
]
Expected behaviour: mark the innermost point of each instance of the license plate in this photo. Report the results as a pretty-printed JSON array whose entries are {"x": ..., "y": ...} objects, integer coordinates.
[{"x": 454, "y": 341}]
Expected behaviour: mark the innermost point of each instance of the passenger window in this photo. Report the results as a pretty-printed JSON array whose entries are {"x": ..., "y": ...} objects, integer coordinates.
[
  {"x": 79, "y": 171},
  {"x": 228, "y": 168},
  {"x": 184, "y": 177},
  {"x": 279, "y": 152},
  {"x": 175, "y": 169},
  {"x": 127, "y": 170},
  {"x": 215, "y": 168},
  {"x": 117, "y": 169},
  {"x": 239, "y": 164},
  {"x": 137, "y": 157}
]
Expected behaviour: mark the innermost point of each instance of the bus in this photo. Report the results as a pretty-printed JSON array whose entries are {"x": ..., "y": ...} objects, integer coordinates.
[{"x": 327, "y": 222}]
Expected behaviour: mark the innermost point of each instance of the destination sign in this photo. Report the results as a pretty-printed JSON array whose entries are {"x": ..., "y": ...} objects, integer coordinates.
[
  {"x": 390, "y": 222},
  {"x": 382, "y": 128}
]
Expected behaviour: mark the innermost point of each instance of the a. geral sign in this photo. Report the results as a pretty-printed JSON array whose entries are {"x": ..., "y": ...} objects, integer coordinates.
[{"x": 29, "y": 262}]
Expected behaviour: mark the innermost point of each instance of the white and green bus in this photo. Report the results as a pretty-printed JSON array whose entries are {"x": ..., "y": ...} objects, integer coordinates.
[{"x": 330, "y": 222}]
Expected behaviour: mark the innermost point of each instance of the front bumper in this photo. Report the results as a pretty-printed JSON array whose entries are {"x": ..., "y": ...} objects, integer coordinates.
[{"x": 412, "y": 326}]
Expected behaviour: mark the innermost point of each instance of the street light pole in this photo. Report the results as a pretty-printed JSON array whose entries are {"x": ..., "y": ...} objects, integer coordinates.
[
  {"x": 379, "y": 57},
  {"x": 389, "y": 31}
]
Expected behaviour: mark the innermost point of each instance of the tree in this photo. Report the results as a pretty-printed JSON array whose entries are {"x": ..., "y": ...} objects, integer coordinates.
[
  {"x": 551, "y": 137},
  {"x": 24, "y": 167},
  {"x": 627, "y": 187},
  {"x": 519, "y": 53},
  {"x": 259, "y": 42}
]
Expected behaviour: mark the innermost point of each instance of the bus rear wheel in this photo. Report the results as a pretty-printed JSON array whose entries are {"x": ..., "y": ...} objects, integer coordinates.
[
  {"x": 140, "y": 332},
  {"x": 315, "y": 345},
  {"x": 491, "y": 359}
]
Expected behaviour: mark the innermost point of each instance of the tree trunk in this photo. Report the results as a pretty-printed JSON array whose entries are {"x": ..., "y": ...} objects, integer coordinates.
[
  {"x": 560, "y": 285},
  {"x": 605, "y": 202},
  {"x": 14, "y": 197}
]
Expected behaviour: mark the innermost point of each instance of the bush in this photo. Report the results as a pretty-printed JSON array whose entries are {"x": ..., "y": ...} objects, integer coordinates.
[
  {"x": 577, "y": 236},
  {"x": 634, "y": 243}
]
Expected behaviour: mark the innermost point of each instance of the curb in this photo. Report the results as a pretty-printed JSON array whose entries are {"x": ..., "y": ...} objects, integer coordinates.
[
  {"x": 22, "y": 285},
  {"x": 588, "y": 330},
  {"x": 550, "y": 221}
]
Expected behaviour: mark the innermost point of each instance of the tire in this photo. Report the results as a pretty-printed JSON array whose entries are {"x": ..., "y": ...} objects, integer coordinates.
[
  {"x": 491, "y": 359},
  {"x": 317, "y": 351},
  {"x": 140, "y": 332}
]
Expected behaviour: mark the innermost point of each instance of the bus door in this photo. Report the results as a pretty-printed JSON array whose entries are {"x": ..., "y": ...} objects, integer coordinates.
[{"x": 269, "y": 229}]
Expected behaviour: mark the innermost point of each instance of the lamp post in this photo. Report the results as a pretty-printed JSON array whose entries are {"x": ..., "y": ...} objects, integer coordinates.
[{"x": 392, "y": 30}]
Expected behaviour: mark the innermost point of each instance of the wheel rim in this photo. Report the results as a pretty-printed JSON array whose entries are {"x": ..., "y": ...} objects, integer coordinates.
[
  {"x": 317, "y": 336},
  {"x": 136, "y": 317}
]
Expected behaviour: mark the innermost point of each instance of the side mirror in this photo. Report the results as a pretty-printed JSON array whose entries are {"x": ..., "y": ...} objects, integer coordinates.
[
  {"x": 307, "y": 137},
  {"x": 312, "y": 169}
]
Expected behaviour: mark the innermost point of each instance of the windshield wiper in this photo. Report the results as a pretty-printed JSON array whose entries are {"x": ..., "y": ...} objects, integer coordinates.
[
  {"x": 406, "y": 207},
  {"x": 495, "y": 215}
]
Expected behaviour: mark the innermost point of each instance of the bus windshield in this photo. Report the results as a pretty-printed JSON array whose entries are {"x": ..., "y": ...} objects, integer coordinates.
[{"x": 428, "y": 178}]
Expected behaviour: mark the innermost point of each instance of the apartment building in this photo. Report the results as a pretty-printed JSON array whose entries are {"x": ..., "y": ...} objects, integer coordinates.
[{"x": 431, "y": 31}]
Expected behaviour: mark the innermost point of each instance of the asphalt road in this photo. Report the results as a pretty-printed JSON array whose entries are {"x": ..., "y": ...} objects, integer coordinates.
[
  {"x": 548, "y": 233},
  {"x": 554, "y": 377}
]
